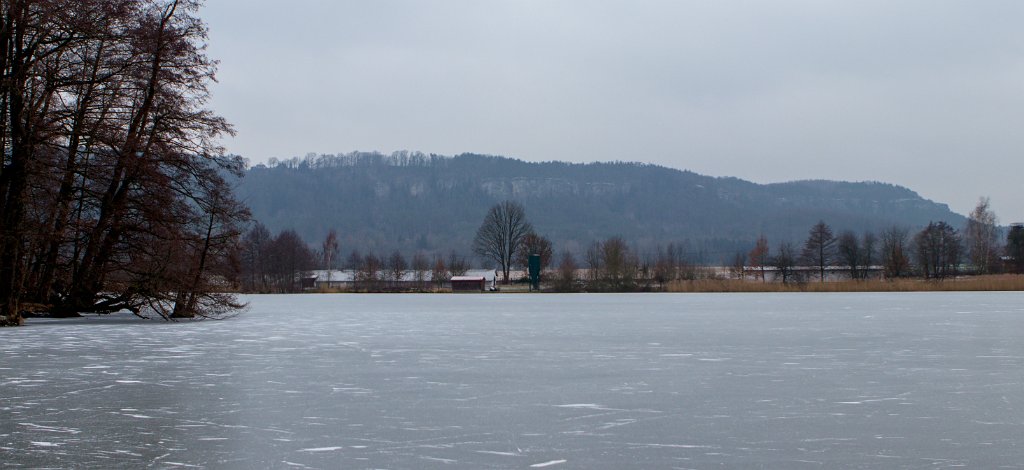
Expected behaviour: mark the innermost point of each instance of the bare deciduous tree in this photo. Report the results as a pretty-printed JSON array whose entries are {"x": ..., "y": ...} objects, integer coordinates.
[
  {"x": 759, "y": 255},
  {"x": 329, "y": 253},
  {"x": 329, "y": 249},
  {"x": 439, "y": 272},
  {"x": 501, "y": 234},
  {"x": 738, "y": 266},
  {"x": 982, "y": 237},
  {"x": 938, "y": 250},
  {"x": 850, "y": 253},
  {"x": 289, "y": 257},
  {"x": 593, "y": 257},
  {"x": 868, "y": 249},
  {"x": 785, "y": 261},
  {"x": 566, "y": 280},
  {"x": 112, "y": 189},
  {"x": 895, "y": 256},
  {"x": 534, "y": 244},
  {"x": 457, "y": 264},
  {"x": 367, "y": 275},
  {"x": 420, "y": 265},
  {"x": 396, "y": 266},
  {"x": 663, "y": 269},
  {"x": 255, "y": 249},
  {"x": 618, "y": 264}
]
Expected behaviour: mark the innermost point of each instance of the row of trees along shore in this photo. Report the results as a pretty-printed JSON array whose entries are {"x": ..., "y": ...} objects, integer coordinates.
[
  {"x": 275, "y": 263},
  {"x": 506, "y": 239},
  {"x": 936, "y": 252},
  {"x": 112, "y": 189}
]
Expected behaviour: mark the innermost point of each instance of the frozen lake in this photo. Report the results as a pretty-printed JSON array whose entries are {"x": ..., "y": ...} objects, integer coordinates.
[{"x": 785, "y": 381}]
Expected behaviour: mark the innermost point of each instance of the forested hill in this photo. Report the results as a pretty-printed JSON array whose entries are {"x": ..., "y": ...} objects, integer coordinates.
[{"x": 411, "y": 201}]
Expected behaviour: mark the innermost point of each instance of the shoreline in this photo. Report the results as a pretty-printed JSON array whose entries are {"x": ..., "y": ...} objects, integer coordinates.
[{"x": 982, "y": 283}]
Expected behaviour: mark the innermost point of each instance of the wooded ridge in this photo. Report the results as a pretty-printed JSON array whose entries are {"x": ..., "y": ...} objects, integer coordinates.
[{"x": 429, "y": 203}]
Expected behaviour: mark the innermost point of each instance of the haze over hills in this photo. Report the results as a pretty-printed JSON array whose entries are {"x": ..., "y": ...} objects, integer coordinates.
[{"x": 412, "y": 201}]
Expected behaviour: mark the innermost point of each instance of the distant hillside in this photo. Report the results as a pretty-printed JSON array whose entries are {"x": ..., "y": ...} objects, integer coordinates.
[{"x": 411, "y": 201}]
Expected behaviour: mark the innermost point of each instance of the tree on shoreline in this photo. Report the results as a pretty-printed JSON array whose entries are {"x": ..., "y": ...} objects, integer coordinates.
[
  {"x": 868, "y": 248},
  {"x": 113, "y": 191},
  {"x": 895, "y": 256},
  {"x": 819, "y": 249},
  {"x": 501, "y": 234},
  {"x": 982, "y": 238},
  {"x": 785, "y": 261},
  {"x": 938, "y": 250},
  {"x": 760, "y": 256},
  {"x": 329, "y": 251},
  {"x": 850, "y": 253},
  {"x": 565, "y": 281},
  {"x": 396, "y": 266},
  {"x": 534, "y": 244},
  {"x": 1015, "y": 247}
]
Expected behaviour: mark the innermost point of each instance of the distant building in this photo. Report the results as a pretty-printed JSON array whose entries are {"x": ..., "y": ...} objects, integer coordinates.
[
  {"x": 468, "y": 283},
  {"x": 832, "y": 273},
  {"x": 307, "y": 282},
  {"x": 328, "y": 279},
  {"x": 348, "y": 279}
]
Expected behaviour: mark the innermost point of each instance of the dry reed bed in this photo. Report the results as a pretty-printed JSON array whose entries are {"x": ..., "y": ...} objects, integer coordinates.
[{"x": 1003, "y": 282}]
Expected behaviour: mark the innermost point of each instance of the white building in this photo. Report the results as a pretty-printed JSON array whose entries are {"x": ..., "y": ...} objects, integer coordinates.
[{"x": 347, "y": 279}]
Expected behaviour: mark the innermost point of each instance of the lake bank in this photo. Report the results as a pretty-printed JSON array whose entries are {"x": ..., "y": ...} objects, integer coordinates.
[{"x": 981, "y": 283}]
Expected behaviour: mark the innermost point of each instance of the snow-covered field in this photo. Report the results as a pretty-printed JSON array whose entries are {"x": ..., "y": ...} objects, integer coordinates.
[{"x": 787, "y": 381}]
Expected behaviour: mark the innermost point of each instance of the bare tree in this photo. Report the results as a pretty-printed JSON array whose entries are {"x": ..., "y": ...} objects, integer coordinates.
[
  {"x": 938, "y": 250},
  {"x": 534, "y": 244},
  {"x": 397, "y": 266},
  {"x": 982, "y": 237},
  {"x": 619, "y": 264},
  {"x": 329, "y": 253},
  {"x": 850, "y": 252},
  {"x": 289, "y": 258},
  {"x": 677, "y": 258},
  {"x": 895, "y": 256},
  {"x": 329, "y": 250},
  {"x": 420, "y": 265},
  {"x": 112, "y": 189},
  {"x": 819, "y": 249},
  {"x": 594, "y": 264},
  {"x": 739, "y": 262},
  {"x": 501, "y": 234},
  {"x": 367, "y": 276},
  {"x": 255, "y": 247},
  {"x": 211, "y": 257},
  {"x": 566, "y": 280},
  {"x": 785, "y": 261},
  {"x": 760, "y": 256},
  {"x": 868, "y": 249},
  {"x": 439, "y": 272},
  {"x": 663, "y": 266},
  {"x": 457, "y": 264}
]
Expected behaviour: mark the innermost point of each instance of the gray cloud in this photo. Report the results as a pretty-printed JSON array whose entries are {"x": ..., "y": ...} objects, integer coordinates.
[{"x": 927, "y": 94}]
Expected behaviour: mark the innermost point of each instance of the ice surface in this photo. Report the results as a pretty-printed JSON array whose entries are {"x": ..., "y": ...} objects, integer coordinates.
[{"x": 787, "y": 381}]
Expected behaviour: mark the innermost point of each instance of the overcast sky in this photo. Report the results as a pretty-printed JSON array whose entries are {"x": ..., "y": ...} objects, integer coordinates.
[{"x": 927, "y": 94}]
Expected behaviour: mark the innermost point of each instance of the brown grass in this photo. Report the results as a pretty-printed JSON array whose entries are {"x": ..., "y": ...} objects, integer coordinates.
[{"x": 1000, "y": 282}]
